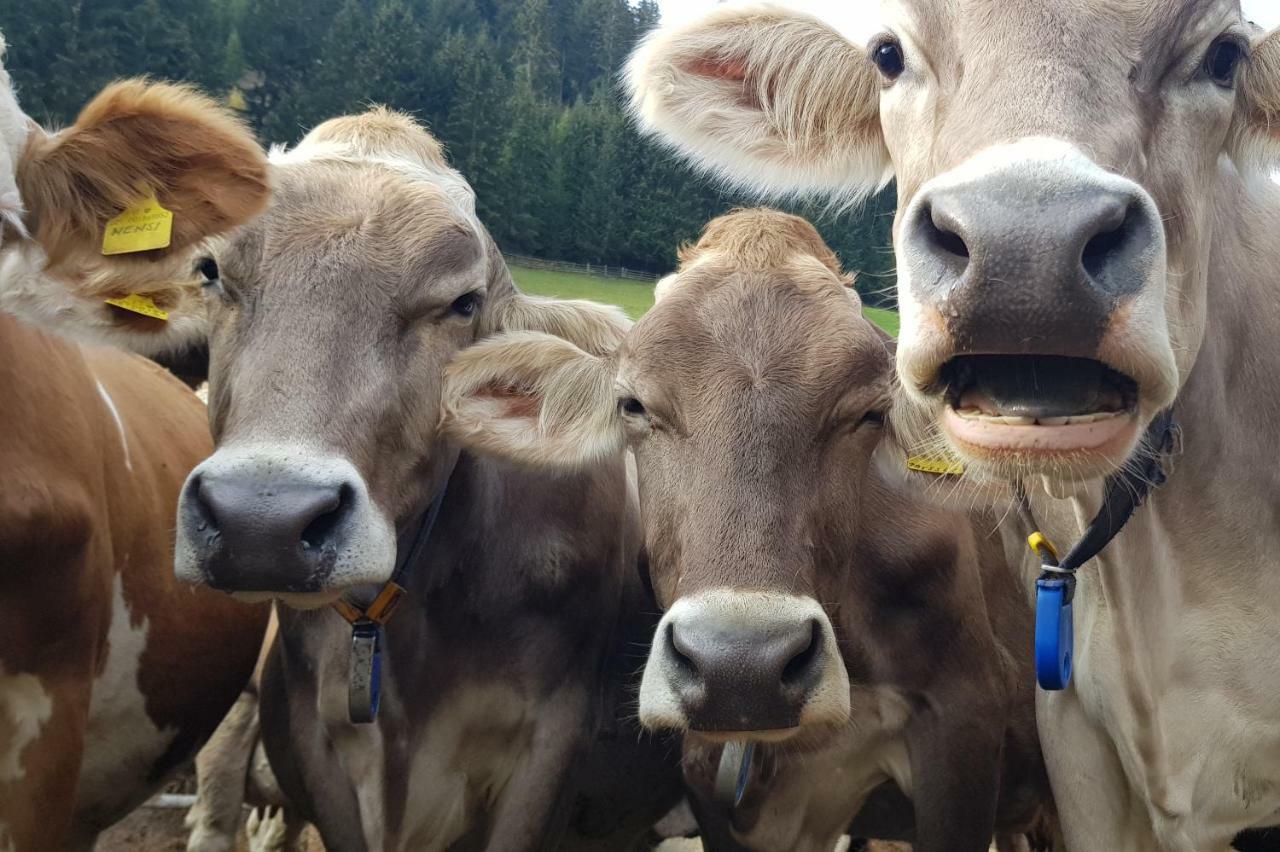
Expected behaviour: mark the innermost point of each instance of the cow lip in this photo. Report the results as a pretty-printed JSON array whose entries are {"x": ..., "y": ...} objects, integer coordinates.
[
  {"x": 1042, "y": 404},
  {"x": 767, "y": 735}
]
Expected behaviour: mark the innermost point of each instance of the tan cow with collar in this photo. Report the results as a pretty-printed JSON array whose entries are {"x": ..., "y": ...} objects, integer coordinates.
[{"x": 1086, "y": 236}]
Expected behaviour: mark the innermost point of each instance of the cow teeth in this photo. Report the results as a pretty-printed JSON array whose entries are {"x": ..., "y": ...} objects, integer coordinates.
[
  {"x": 1011, "y": 420},
  {"x": 1057, "y": 421}
]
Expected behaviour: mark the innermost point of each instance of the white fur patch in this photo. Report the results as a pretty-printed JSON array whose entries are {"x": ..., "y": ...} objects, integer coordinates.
[
  {"x": 122, "y": 743},
  {"x": 115, "y": 415},
  {"x": 25, "y": 708},
  {"x": 54, "y": 305}
]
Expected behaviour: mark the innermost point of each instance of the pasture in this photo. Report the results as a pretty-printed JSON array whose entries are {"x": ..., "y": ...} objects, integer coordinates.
[{"x": 634, "y": 297}]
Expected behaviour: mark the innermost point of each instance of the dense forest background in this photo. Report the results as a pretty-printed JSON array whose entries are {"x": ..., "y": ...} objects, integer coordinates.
[{"x": 523, "y": 93}]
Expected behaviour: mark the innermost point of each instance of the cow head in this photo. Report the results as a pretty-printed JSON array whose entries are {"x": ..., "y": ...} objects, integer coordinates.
[
  {"x": 332, "y": 316},
  {"x": 753, "y": 396},
  {"x": 59, "y": 190},
  {"x": 1062, "y": 167}
]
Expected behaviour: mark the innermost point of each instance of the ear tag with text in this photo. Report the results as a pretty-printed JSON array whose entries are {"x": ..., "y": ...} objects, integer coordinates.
[
  {"x": 144, "y": 226},
  {"x": 938, "y": 466},
  {"x": 140, "y": 304}
]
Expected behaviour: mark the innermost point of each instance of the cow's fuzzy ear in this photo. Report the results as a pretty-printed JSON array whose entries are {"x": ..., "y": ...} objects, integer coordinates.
[
  {"x": 598, "y": 329},
  {"x": 534, "y": 399},
  {"x": 1255, "y": 132},
  {"x": 769, "y": 99},
  {"x": 198, "y": 159}
]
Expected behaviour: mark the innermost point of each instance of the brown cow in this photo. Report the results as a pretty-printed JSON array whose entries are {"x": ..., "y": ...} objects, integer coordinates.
[
  {"x": 814, "y": 606},
  {"x": 111, "y": 672}
]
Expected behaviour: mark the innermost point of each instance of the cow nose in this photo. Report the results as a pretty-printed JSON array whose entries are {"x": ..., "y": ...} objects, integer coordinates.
[
  {"x": 1030, "y": 260},
  {"x": 267, "y": 534},
  {"x": 745, "y": 677}
]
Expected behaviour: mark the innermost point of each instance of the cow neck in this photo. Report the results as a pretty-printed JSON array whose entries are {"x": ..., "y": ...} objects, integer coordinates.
[
  {"x": 1123, "y": 492},
  {"x": 364, "y": 675}
]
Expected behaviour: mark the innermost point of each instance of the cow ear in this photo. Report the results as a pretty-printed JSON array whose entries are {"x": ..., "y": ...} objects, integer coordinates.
[
  {"x": 135, "y": 137},
  {"x": 1255, "y": 132},
  {"x": 534, "y": 399},
  {"x": 598, "y": 329},
  {"x": 769, "y": 99}
]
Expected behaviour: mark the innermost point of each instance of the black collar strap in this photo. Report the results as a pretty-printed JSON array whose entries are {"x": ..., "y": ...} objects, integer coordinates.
[
  {"x": 1123, "y": 493},
  {"x": 365, "y": 669}
]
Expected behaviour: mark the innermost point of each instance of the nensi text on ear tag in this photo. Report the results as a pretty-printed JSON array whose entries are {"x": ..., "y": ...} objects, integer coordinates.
[
  {"x": 144, "y": 226},
  {"x": 935, "y": 465},
  {"x": 364, "y": 678},
  {"x": 140, "y": 304}
]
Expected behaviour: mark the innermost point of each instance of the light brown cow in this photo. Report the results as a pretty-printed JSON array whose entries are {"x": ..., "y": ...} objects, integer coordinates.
[
  {"x": 111, "y": 672},
  {"x": 1086, "y": 237},
  {"x": 814, "y": 606},
  {"x": 505, "y": 668}
]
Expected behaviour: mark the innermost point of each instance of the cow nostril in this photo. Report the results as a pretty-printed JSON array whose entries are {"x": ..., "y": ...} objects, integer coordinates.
[
  {"x": 941, "y": 235},
  {"x": 682, "y": 660},
  {"x": 1105, "y": 246},
  {"x": 204, "y": 515},
  {"x": 321, "y": 528},
  {"x": 799, "y": 666}
]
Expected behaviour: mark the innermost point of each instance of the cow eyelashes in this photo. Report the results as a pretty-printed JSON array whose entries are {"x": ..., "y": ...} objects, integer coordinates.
[
  {"x": 1222, "y": 61},
  {"x": 887, "y": 55}
]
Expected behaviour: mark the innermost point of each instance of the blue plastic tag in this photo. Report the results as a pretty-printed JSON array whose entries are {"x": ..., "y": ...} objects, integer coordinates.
[
  {"x": 1055, "y": 634},
  {"x": 733, "y": 775}
]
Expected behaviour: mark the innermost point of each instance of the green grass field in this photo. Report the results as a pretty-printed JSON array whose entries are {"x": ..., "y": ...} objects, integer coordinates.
[{"x": 634, "y": 297}]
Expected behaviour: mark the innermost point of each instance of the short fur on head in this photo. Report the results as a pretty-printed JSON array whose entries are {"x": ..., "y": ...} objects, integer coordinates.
[
  {"x": 201, "y": 162},
  {"x": 770, "y": 100}
]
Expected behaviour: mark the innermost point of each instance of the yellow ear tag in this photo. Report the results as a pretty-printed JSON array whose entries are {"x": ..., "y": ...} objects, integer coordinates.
[
  {"x": 142, "y": 227},
  {"x": 140, "y": 304},
  {"x": 936, "y": 466}
]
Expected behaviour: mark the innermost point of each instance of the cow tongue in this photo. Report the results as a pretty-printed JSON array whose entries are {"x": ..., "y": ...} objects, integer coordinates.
[{"x": 1040, "y": 388}]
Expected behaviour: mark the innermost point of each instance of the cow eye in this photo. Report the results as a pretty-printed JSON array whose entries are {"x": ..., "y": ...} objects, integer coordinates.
[
  {"x": 631, "y": 405},
  {"x": 887, "y": 55},
  {"x": 466, "y": 305},
  {"x": 1223, "y": 61},
  {"x": 208, "y": 269},
  {"x": 872, "y": 418}
]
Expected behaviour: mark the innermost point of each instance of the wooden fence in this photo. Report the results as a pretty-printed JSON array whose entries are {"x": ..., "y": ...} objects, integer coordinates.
[{"x": 580, "y": 268}]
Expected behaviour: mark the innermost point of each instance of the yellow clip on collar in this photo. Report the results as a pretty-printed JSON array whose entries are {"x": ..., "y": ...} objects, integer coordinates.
[{"x": 1042, "y": 547}]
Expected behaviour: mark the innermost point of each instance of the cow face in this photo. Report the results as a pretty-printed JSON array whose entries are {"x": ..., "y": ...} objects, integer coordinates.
[
  {"x": 1060, "y": 169},
  {"x": 752, "y": 396},
  {"x": 332, "y": 317}
]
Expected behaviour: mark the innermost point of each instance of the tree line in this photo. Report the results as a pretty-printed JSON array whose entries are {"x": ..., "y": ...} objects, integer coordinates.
[{"x": 523, "y": 93}]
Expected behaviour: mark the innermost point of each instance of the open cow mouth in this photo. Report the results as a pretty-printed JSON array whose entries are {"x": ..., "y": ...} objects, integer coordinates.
[{"x": 1037, "y": 404}]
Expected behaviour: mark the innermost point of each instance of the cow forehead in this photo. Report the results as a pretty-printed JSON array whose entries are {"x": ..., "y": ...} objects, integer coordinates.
[
  {"x": 1140, "y": 27},
  {"x": 722, "y": 331},
  {"x": 342, "y": 220}
]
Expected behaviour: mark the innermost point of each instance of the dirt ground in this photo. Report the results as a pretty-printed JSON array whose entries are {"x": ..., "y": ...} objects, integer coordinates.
[{"x": 160, "y": 830}]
